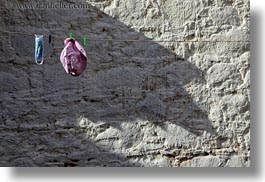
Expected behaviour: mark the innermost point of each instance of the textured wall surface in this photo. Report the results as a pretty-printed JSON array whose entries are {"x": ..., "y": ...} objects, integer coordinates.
[{"x": 167, "y": 104}]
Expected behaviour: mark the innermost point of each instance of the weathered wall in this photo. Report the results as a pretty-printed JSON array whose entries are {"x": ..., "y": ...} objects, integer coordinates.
[{"x": 138, "y": 103}]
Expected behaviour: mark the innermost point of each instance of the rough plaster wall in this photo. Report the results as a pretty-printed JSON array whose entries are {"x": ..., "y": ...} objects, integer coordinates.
[{"x": 137, "y": 104}]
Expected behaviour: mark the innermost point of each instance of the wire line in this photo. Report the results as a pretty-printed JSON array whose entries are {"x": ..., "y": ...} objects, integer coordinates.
[{"x": 129, "y": 40}]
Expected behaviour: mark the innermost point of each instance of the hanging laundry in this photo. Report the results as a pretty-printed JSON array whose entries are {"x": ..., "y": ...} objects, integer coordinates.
[
  {"x": 73, "y": 57},
  {"x": 39, "y": 49}
]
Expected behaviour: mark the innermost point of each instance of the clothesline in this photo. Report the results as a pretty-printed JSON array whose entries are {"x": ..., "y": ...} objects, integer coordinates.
[{"x": 129, "y": 40}]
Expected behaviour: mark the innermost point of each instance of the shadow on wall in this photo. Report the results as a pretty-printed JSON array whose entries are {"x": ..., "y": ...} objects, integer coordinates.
[
  {"x": 137, "y": 80},
  {"x": 124, "y": 82}
]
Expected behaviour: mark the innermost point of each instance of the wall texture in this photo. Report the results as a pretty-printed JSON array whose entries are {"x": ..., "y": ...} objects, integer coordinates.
[{"x": 150, "y": 103}]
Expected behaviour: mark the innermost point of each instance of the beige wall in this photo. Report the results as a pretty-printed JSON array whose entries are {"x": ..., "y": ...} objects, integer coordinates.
[{"x": 149, "y": 103}]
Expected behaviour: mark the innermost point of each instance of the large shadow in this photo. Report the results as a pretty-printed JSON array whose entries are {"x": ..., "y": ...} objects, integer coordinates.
[
  {"x": 124, "y": 82},
  {"x": 136, "y": 80}
]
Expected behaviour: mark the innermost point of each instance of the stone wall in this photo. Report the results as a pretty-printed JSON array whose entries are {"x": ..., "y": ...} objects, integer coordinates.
[{"x": 151, "y": 103}]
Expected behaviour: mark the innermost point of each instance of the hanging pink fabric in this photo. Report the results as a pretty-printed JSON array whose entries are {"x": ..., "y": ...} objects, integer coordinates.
[{"x": 73, "y": 57}]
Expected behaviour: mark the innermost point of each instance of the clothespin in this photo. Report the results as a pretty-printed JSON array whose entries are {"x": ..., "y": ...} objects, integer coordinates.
[
  {"x": 85, "y": 41},
  {"x": 71, "y": 36},
  {"x": 50, "y": 39}
]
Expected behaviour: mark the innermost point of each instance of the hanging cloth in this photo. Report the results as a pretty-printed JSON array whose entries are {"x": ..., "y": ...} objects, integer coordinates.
[
  {"x": 39, "y": 48},
  {"x": 73, "y": 57}
]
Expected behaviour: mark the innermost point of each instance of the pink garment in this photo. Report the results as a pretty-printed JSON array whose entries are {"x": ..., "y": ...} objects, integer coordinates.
[{"x": 73, "y": 57}]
